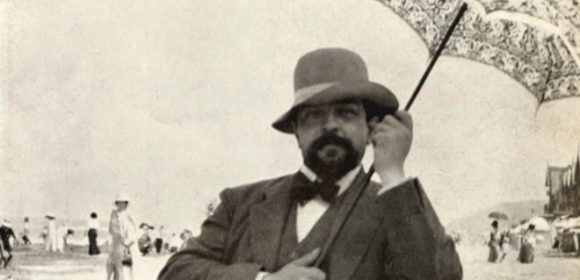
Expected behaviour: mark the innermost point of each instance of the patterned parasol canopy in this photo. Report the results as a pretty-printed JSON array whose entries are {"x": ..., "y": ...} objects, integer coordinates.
[{"x": 536, "y": 42}]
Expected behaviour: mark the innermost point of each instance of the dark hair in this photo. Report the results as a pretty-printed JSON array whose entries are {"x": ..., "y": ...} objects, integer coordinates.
[
  {"x": 93, "y": 215},
  {"x": 531, "y": 227},
  {"x": 26, "y": 219},
  {"x": 494, "y": 224},
  {"x": 372, "y": 110}
]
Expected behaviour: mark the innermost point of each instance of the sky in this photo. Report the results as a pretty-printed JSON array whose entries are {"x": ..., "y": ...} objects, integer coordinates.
[{"x": 172, "y": 103}]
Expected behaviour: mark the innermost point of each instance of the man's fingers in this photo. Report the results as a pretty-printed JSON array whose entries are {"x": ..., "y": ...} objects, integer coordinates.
[
  {"x": 373, "y": 123},
  {"x": 315, "y": 273},
  {"x": 401, "y": 121},
  {"x": 397, "y": 119},
  {"x": 405, "y": 118},
  {"x": 307, "y": 259}
]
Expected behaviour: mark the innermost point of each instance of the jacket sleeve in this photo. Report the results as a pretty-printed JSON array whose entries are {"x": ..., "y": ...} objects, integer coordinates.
[
  {"x": 417, "y": 246},
  {"x": 203, "y": 257}
]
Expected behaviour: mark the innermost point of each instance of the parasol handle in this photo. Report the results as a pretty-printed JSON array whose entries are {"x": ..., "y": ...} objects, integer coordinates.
[{"x": 334, "y": 234}]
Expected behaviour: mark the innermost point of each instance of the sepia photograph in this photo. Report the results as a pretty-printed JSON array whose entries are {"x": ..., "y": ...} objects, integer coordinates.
[{"x": 280, "y": 140}]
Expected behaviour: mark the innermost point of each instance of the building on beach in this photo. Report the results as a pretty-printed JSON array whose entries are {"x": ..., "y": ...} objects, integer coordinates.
[{"x": 563, "y": 183}]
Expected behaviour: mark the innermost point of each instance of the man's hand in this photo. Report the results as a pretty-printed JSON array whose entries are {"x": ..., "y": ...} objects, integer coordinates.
[
  {"x": 299, "y": 269},
  {"x": 391, "y": 139}
]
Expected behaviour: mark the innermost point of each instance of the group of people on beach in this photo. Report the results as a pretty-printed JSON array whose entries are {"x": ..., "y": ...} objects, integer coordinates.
[
  {"x": 498, "y": 239},
  {"x": 127, "y": 246},
  {"x": 157, "y": 241},
  {"x": 55, "y": 237},
  {"x": 127, "y": 242}
]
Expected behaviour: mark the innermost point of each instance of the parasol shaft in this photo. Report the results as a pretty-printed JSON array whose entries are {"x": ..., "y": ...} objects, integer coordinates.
[
  {"x": 337, "y": 229},
  {"x": 436, "y": 55}
]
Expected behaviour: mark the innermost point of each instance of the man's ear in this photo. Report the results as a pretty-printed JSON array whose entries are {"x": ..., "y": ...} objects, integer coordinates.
[
  {"x": 293, "y": 125},
  {"x": 371, "y": 124}
]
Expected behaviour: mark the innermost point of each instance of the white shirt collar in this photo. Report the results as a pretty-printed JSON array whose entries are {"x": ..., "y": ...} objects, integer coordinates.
[{"x": 343, "y": 183}]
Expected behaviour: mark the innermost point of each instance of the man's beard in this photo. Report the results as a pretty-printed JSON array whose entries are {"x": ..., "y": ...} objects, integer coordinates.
[{"x": 331, "y": 157}]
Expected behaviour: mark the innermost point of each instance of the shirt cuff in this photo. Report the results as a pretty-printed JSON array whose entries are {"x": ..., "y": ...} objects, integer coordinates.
[
  {"x": 385, "y": 188},
  {"x": 261, "y": 275}
]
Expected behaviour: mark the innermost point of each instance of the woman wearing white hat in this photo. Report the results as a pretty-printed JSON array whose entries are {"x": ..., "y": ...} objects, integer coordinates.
[{"x": 122, "y": 258}]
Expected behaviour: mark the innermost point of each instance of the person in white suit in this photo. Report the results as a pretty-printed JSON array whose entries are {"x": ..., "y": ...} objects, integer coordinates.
[{"x": 51, "y": 244}]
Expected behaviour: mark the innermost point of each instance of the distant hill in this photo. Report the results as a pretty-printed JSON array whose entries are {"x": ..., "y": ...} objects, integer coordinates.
[{"x": 478, "y": 223}]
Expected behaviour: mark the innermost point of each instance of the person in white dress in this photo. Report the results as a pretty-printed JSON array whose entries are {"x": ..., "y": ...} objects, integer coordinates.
[{"x": 123, "y": 257}]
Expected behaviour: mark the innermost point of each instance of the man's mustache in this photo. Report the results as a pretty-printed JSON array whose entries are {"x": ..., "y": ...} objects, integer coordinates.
[{"x": 331, "y": 139}]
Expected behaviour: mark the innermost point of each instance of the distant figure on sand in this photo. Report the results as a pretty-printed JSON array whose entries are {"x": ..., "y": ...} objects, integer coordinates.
[
  {"x": 493, "y": 243},
  {"x": 528, "y": 245},
  {"x": 504, "y": 239},
  {"x": 185, "y": 235},
  {"x": 159, "y": 240},
  {"x": 145, "y": 245},
  {"x": 555, "y": 235},
  {"x": 44, "y": 236},
  {"x": 6, "y": 233},
  {"x": 51, "y": 243},
  {"x": 63, "y": 233},
  {"x": 93, "y": 225},
  {"x": 26, "y": 232},
  {"x": 174, "y": 243},
  {"x": 123, "y": 257}
]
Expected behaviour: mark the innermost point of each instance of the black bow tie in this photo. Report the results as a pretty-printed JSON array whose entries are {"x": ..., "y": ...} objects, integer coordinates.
[{"x": 305, "y": 190}]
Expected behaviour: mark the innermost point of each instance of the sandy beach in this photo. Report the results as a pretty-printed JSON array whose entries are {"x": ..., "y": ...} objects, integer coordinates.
[
  {"x": 546, "y": 266},
  {"x": 31, "y": 265}
]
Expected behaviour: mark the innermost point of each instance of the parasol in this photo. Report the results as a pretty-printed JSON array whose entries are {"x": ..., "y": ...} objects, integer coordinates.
[
  {"x": 539, "y": 223},
  {"x": 536, "y": 42},
  {"x": 497, "y": 215}
]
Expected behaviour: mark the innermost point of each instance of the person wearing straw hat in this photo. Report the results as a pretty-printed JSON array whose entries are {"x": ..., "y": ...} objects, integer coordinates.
[
  {"x": 123, "y": 256},
  {"x": 51, "y": 243},
  {"x": 144, "y": 242},
  {"x": 275, "y": 229}
]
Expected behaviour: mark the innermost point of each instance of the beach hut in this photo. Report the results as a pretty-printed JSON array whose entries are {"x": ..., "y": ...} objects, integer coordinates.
[
  {"x": 542, "y": 231},
  {"x": 573, "y": 223},
  {"x": 540, "y": 223}
]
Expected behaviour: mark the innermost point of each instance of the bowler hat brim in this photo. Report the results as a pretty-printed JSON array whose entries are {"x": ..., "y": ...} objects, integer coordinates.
[{"x": 373, "y": 92}]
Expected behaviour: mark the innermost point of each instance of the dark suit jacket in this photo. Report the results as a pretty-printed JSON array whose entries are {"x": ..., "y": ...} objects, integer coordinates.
[{"x": 396, "y": 235}]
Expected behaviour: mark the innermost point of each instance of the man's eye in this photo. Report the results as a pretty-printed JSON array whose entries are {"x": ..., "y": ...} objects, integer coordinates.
[
  {"x": 347, "y": 112},
  {"x": 314, "y": 114}
]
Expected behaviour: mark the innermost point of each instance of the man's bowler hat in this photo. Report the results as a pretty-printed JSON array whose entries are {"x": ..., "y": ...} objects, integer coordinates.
[{"x": 333, "y": 74}]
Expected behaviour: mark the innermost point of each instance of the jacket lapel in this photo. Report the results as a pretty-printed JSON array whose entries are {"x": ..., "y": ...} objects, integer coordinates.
[
  {"x": 267, "y": 221},
  {"x": 354, "y": 239}
]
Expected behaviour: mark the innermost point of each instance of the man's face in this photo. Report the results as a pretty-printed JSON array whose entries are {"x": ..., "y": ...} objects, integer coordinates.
[{"x": 332, "y": 137}]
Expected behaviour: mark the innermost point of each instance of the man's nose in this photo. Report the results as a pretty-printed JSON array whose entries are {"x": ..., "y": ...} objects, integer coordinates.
[{"x": 331, "y": 123}]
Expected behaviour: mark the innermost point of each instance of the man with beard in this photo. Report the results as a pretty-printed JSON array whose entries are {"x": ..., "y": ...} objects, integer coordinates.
[{"x": 275, "y": 229}]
